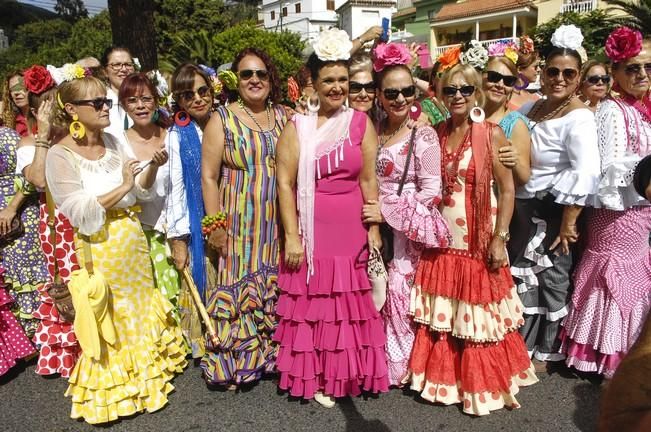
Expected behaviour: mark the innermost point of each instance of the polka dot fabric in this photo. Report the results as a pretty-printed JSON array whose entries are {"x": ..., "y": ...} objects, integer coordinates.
[
  {"x": 134, "y": 374},
  {"x": 14, "y": 345}
]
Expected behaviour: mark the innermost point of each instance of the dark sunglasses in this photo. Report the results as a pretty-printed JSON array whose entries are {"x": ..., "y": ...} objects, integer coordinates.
[
  {"x": 568, "y": 74},
  {"x": 392, "y": 94},
  {"x": 636, "y": 68},
  {"x": 356, "y": 87},
  {"x": 465, "y": 91},
  {"x": 188, "y": 95},
  {"x": 96, "y": 103},
  {"x": 495, "y": 77},
  {"x": 595, "y": 79},
  {"x": 247, "y": 74}
]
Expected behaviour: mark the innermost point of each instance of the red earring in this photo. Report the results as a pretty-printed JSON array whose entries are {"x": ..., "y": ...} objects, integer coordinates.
[{"x": 182, "y": 119}]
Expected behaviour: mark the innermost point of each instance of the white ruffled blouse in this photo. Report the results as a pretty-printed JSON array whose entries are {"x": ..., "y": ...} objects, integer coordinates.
[
  {"x": 564, "y": 158},
  {"x": 624, "y": 139},
  {"x": 75, "y": 183}
]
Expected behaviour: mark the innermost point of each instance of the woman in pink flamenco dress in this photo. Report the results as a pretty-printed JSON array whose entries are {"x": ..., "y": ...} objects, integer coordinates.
[
  {"x": 331, "y": 337},
  {"x": 14, "y": 344}
]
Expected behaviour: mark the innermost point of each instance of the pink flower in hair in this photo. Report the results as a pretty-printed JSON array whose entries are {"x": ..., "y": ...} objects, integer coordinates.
[
  {"x": 623, "y": 43},
  {"x": 389, "y": 55}
]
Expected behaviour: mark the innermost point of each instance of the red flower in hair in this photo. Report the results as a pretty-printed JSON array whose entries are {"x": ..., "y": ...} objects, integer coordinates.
[
  {"x": 38, "y": 80},
  {"x": 623, "y": 43}
]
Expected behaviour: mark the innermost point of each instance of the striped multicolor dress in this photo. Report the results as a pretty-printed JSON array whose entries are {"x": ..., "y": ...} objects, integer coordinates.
[{"x": 243, "y": 301}]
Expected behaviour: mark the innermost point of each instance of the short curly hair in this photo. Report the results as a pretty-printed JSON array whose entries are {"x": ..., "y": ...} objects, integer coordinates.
[{"x": 274, "y": 78}]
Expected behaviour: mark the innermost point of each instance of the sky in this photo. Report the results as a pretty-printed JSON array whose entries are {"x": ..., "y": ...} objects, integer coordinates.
[{"x": 93, "y": 6}]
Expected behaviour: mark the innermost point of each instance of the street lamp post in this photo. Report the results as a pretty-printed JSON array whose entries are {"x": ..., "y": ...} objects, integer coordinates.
[{"x": 281, "y": 15}]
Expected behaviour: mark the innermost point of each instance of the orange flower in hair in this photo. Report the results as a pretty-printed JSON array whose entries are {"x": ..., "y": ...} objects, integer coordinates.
[{"x": 449, "y": 58}]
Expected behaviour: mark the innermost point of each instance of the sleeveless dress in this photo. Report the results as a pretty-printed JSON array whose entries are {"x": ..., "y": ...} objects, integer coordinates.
[
  {"x": 467, "y": 348},
  {"x": 243, "y": 301},
  {"x": 509, "y": 121},
  {"x": 330, "y": 334},
  {"x": 21, "y": 258}
]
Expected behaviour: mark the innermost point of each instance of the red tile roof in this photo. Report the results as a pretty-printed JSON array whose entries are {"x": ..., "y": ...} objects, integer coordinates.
[{"x": 470, "y": 8}]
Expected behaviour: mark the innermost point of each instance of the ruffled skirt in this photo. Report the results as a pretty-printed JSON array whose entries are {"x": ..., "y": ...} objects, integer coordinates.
[
  {"x": 331, "y": 336},
  {"x": 612, "y": 290},
  {"x": 14, "y": 345},
  {"x": 467, "y": 348}
]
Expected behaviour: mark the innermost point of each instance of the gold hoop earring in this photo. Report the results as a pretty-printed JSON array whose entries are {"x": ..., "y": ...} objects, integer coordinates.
[{"x": 77, "y": 129}]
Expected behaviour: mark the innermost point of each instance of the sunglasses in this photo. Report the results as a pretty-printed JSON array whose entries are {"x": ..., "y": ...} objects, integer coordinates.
[
  {"x": 146, "y": 100},
  {"x": 97, "y": 103},
  {"x": 392, "y": 94},
  {"x": 465, "y": 91},
  {"x": 188, "y": 95},
  {"x": 495, "y": 77},
  {"x": 568, "y": 74},
  {"x": 595, "y": 79},
  {"x": 356, "y": 87},
  {"x": 247, "y": 74},
  {"x": 636, "y": 68}
]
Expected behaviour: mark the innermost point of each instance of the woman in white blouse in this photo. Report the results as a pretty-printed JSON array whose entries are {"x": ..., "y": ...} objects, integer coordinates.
[
  {"x": 564, "y": 172},
  {"x": 97, "y": 187},
  {"x": 613, "y": 280},
  {"x": 118, "y": 64}
]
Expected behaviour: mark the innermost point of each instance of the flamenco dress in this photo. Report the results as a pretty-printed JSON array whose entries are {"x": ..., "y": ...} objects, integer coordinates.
[
  {"x": 467, "y": 348},
  {"x": 14, "y": 344}
]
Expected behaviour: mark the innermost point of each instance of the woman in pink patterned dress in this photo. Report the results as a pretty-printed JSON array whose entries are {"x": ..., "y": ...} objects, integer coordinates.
[
  {"x": 612, "y": 291},
  {"x": 412, "y": 213},
  {"x": 331, "y": 337}
]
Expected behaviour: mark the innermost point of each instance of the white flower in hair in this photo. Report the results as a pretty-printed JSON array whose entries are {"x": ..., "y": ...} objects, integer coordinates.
[
  {"x": 567, "y": 36},
  {"x": 475, "y": 55},
  {"x": 333, "y": 45},
  {"x": 57, "y": 74},
  {"x": 136, "y": 63}
]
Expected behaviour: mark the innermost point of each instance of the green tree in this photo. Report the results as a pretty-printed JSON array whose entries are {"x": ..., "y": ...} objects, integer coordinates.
[
  {"x": 595, "y": 26},
  {"x": 637, "y": 14},
  {"x": 132, "y": 22},
  {"x": 71, "y": 10}
]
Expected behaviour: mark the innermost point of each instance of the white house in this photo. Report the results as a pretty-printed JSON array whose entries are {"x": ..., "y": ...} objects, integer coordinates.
[
  {"x": 4, "y": 40},
  {"x": 356, "y": 16},
  {"x": 306, "y": 17}
]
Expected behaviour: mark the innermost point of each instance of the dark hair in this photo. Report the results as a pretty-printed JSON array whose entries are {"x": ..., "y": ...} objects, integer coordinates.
[
  {"x": 314, "y": 64},
  {"x": 110, "y": 50},
  {"x": 642, "y": 176},
  {"x": 379, "y": 76},
  {"x": 183, "y": 79},
  {"x": 274, "y": 79},
  {"x": 556, "y": 51},
  {"x": 35, "y": 101},
  {"x": 136, "y": 83},
  {"x": 302, "y": 76}
]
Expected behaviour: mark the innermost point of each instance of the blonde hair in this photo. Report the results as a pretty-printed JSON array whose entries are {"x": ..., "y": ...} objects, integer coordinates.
[
  {"x": 505, "y": 62},
  {"x": 471, "y": 76},
  {"x": 70, "y": 91},
  {"x": 360, "y": 63}
]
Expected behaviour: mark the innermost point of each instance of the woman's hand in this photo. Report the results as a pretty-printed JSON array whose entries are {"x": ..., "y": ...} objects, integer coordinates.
[
  {"x": 130, "y": 169},
  {"x": 371, "y": 212},
  {"x": 7, "y": 215},
  {"x": 217, "y": 241},
  {"x": 567, "y": 236},
  {"x": 159, "y": 157},
  {"x": 508, "y": 155},
  {"x": 374, "y": 238},
  {"x": 497, "y": 254},
  {"x": 43, "y": 119},
  {"x": 179, "y": 253},
  {"x": 371, "y": 34},
  {"x": 294, "y": 252}
]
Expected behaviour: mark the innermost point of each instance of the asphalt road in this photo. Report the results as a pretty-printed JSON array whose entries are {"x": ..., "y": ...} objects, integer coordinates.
[{"x": 561, "y": 401}]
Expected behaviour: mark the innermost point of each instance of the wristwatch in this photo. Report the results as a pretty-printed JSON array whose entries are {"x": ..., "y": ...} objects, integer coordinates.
[{"x": 504, "y": 235}]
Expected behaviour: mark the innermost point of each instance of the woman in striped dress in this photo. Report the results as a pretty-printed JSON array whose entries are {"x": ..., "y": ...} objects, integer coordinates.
[{"x": 239, "y": 178}]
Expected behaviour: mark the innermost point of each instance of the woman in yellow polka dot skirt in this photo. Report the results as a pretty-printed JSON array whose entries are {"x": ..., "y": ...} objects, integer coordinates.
[{"x": 131, "y": 344}]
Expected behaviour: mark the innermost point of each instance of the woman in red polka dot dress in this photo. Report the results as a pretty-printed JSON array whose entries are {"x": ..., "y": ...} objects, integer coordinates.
[
  {"x": 467, "y": 348},
  {"x": 59, "y": 349}
]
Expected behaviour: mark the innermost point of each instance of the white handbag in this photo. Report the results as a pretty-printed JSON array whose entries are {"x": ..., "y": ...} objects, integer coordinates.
[{"x": 377, "y": 274}]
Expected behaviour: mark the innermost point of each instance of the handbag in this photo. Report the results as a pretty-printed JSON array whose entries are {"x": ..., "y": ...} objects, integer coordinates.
[
  {"x": 15, "y": 230},
  {"x": 386, "y": 232},
  {"x": 379, "y": 278},
  {"x": 58, "y": 289}
]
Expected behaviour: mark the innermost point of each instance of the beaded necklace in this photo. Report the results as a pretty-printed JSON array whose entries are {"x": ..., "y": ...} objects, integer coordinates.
[
  {"x": 450, "y": 163},
  {"x": 538, "y": 106},
  {"x": 266, "y": 132}
]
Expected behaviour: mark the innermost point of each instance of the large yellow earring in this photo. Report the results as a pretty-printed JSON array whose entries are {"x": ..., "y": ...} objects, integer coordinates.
[{"x": 77, "y": 130}]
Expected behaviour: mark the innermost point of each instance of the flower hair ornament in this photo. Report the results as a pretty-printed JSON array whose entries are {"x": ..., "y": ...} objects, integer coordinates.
[
  {"x": 293, "y": 90},
  {"x": 391, "y": 54},
  {"x": 229, "y": 79},
  {"x": 504, "y": 48},
  {"x": 333, "y": 45},
  {"x": 568, "y": 37},
  {"x": 68, "y": 72},
  {"x": 449, "y": 58},
  {"x": 38, "y": 80},
  {"x": 475, "y": 55},
  {"x": 622, "y": 44},
  {"x": 526, "y": 45}
]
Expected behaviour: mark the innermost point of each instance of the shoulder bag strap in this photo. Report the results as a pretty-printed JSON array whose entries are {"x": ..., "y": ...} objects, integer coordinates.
[
  {"x": 406, "y": 169},
  {"x": 51, "y": 223}
]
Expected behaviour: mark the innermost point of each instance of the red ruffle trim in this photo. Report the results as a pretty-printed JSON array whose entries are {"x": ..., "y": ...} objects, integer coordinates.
[{"x": 449, "y": 274}]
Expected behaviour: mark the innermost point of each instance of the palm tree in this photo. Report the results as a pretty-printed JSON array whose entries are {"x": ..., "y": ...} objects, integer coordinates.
[{"x": 637, "y": 13}]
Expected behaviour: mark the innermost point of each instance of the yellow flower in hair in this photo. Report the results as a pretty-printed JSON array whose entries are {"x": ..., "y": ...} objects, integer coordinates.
[
  {"x": 216, "y": 85},
  {"x": 71, "y": 71},
  {"x": 511, "y": 54}
]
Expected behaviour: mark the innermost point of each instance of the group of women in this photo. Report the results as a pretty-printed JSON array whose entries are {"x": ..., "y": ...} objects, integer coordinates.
[{"x": 274, "y": 220}]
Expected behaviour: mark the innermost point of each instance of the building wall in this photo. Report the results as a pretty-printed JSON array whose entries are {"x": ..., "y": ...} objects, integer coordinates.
[
  {"x": 357, "y": 19},
  {"x": 495, "y": 29},
  {"x": 313, "y": 16},
  {"x": 548, "y": 9}
]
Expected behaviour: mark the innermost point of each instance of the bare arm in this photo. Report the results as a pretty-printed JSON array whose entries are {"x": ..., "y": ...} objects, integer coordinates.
[
  {"x": 212, "y": 151},
  {"x": 505, "y": 200},
  {"x": 8, "y": 213},
  {"x": 287, "y": 156},
  {"x": 521, "y": 140},
  {"x": 368, "y": 180},
  {"x": 35, "y": 172}
]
